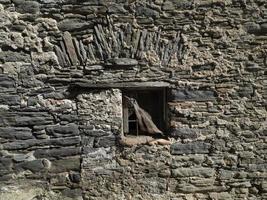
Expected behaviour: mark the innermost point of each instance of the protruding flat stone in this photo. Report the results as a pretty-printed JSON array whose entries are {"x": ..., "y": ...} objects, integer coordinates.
[
  {"x": 122, "y": 62},
  {"x": 19, "y": 133},
  {"x": 190, "y": 148},
  {"x": 93, "y": 68},
  {"x": 192, "y": 95},
  {"x": 70, "y": 48},
  {"x": 61, "y": 131}
]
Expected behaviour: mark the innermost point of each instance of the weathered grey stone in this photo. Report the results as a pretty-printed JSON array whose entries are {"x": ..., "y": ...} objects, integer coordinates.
[
  {"x": 221, "y": 196},
  {"x": 10, "y": 99},
  {"x": 142, "y": 10},
  {"x": 253, "y": 67},
  {"x": 75, "y": 177},
  {"x": 168, "y": 5},
  {"x": 116, "y": 9},
  {"x": 37, "y": 143},
  {"x": 35, "y": 165},
  {"x": 184, "y": 133},
  {"x": 69, "y": 117},
  {"x": 6, "y": 164},
  {"x": 70, "y": 49},
  {"x": 90, "y": 68},
  {"x": 62, "y": 131},
  {"x": 190, "y": 148},
  {"x": 57, "y": 152},
  {"x": 5, "y": 1},
  {"x": 23, "y": 157},
  {"x": 192, "y": 95},
  {"x": 73, "y": 193},
  {"x": 66, "y": 165},
  {"x": 11, "y": 56},
  {"x": 27, "y": 7},
  {"x": 208, "y": 66},
  {"x": 246, "y": 91},
  {"x": 94, "y": 133},
  {"x": 192, "y": 172},
  {"x": 79, "y": 9},
  {"x": 105, "y": 141},
  {"x": 19, "y": 133},
  {"x": 264, "y": 28},
  {"x": 6, "y": 81},
  {"x": 189, "y": 188},
  {"x": 73, "y": 25},
  {"x": 24, "y": 119},
  {"x": 54, "y": 95},
  {"x": 60, "y": 56},
  {"x": 122, "y": 62},
  {"x": 252, "y": 27}
]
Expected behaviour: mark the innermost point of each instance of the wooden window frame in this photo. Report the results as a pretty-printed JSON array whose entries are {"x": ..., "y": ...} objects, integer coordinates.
[{"x": 163, "y": 111}]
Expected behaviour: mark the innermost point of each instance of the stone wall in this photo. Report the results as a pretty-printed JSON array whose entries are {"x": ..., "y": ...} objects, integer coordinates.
[{"x": 64, "y": 64}]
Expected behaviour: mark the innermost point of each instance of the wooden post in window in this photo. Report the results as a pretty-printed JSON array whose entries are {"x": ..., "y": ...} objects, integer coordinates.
[{"x": 125, "y": 119}]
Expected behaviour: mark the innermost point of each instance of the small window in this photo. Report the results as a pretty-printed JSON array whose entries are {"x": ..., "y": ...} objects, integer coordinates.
[{"x": 144, "y": 112}]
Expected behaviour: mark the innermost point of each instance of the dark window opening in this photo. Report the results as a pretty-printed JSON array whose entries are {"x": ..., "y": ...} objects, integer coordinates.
[{"x": 149, "y": 101}]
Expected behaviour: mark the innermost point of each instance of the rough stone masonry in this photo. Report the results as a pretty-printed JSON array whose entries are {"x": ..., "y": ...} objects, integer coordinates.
[{"x": 64, "y": 65}]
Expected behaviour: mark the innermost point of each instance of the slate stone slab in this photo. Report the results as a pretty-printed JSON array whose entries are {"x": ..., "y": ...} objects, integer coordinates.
[
  {"x": 18, "y": 133},
  {"x": 12, "y": 56},
  {"x": 184, "y": 133},
  {"x": 255, "y": 28},
  {"x": 122, "y": 62},
  {"x": 5, "y": 164},
  {"x": 106, "y": 141},
  {"x": 27, "y": 7},
  {"x": 37, "y": 143},
  {"x": 145, "y": 11},
  {"x": 29, "y": 121},
  {"x": 253, "y": 67},
  {"x": 60, "y": 56},
  {"x": 264, "y": 27},
  {"x": 62, "y": 131},
  {"x": 59, "y": 95},
  {"x": 57, "y": 152},
  {"x": 66, "y": 165},
  {"x": 197, "y": 147},
  {"x": 246, "y": 91},
  {"x": 193, "y": 172},
  {"x": 90, "y": 68},
  {"x": 6, "y": 81},
  {"x": 94, "y": 133},
  {"x": 34, "y": 165},
  {"x": 73, "y": 25},
  {"x": 205, "y": 67},
  {"x": 70, "y": 48},
  {"x": 252, "y": 27},
  {"x": 192, "y": 95},
  {"x": 9, "y": 99}
]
